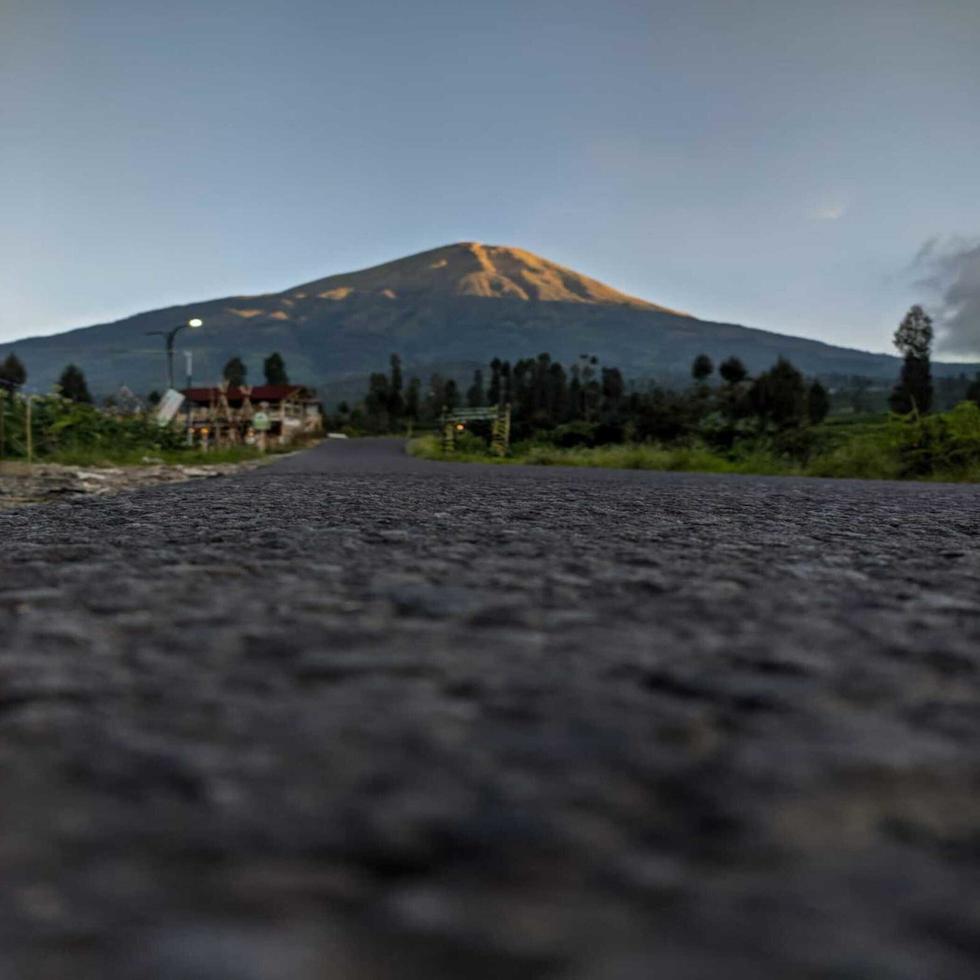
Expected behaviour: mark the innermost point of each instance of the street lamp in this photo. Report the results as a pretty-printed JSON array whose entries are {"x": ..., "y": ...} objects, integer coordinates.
[{"x": 193, "y": 324}]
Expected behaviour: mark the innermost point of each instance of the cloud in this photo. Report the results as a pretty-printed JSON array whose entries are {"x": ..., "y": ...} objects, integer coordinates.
[
  {"x": 830, "y": 212},
  {"x": 951, "y": 269}
]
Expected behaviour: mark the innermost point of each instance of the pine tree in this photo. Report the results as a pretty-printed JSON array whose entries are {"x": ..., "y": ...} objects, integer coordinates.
[
  {"x": 376, "y": 401},
  {"x": 493, "y": 392},
  {"x": 412, "y": 399},
  {"x": 913, "y": 338},
  {"x": 451, "y": 395},
  {"x": 275, "y": 370},
  {"x": 475, "y": 396},
  {"x": 557, "y": 394},
  {"x": 817, "y": 403},
  {"x": 73, "y": 385},
  {"x": 506, "y": 392},
  {"x": 973, "y": 391},
  {"x": 396, "y": 403},
  {"x": 13, "y": 374},
  {"x": 613, "y": 389},
  {"x": 235, "y": 372}
]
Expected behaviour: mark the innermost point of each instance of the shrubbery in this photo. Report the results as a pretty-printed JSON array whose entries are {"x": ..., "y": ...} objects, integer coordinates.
[
  {"x": 61, "y": 427},
  {"x": 939, "y": 447}
]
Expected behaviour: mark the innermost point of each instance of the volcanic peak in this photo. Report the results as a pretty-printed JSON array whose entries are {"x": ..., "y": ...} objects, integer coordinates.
[{"x": 475, "y": 269}]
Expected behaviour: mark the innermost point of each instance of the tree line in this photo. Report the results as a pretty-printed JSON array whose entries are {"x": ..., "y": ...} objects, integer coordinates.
[
  {"x": 589, "y": 402},
  {"x": 73, "y": 385},
  {"x": 592, "y": 402}
]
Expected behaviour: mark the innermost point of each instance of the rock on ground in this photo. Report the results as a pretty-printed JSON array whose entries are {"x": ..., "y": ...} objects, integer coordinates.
[{"x": 21, "y": 483}]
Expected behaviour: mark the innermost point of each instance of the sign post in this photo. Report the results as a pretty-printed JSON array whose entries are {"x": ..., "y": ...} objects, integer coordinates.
[
  {"x": 261, "y": 423},
  {"x": 168, "y": 407}
]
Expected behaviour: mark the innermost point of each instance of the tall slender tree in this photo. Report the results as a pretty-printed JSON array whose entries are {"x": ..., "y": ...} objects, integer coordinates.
[
  {"x": 451, "y": 395},
  {"x": 396, "y": 402},
  {"x": 493, "y": 391},
  {"x": 377, "y": 400},
  {"x": 973, "y": 391},
  {"x": 817, "y": 403},
  {"x": 613, "y": 390},
  {"x": 475, "y": 395},
  {"x": 913, "y": 339},
  {"x": 412, "y": 399}
]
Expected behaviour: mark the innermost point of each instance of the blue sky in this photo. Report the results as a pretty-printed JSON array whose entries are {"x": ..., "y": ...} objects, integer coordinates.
[{"x": 777, "y": 163}]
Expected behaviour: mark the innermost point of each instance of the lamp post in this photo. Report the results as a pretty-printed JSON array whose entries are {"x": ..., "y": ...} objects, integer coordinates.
[{"x": 169, "y": 335}]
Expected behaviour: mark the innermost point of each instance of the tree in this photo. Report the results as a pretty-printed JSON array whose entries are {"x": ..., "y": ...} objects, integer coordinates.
[
  {"x": 778, "y": 396},
  {"x": 733, "y": 371},
  {"x": 396, "y": 403},
  {"x": 376, "y": 401},
  {"x": 973, "y": 392},
  {"x": 275, "y": 370},
  {"x": 913, "y": 339},
  {"x": 73, "y": 386},
  {"x": 450, "y": 395},
  {"x": 235, "y": 372},
  {"x": 613, "y": 390},
  {"x": 701, "y": 368},
  {"x": 412, "y": 399},
  {"x": 817, "y": 403},
  {"x": 13, "y": 374},
  {"x": 475, "y": 396},
  {"x": 154, "y": 397},
  {"x": 493, "y": 392}
]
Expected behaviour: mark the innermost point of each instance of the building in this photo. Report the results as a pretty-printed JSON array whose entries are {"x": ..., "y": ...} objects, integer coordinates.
[{"x": 250, "y": 414}]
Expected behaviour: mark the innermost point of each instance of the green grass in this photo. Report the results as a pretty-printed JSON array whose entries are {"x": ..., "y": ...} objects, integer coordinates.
[
  {"x": 630, "y": 456},
  {"x": 943, "y": 447}
]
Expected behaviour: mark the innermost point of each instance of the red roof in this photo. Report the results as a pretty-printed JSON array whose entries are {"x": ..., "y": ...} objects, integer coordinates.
[{"x": 260, "y": 393}]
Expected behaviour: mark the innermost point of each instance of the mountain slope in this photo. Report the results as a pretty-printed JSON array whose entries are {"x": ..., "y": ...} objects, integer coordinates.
[
  {"x": 448, "y": 308},
  {"x": 473, "y": 269}
]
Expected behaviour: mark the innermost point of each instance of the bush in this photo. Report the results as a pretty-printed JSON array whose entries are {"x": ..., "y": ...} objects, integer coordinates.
[
  {"x": 60, "y": 427},
  {"x": 574, "y": 434},
  {"x": 938, "y": 444}
]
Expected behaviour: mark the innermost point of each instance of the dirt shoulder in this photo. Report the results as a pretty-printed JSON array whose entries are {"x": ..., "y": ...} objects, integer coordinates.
[{"x": 21, "y": 484}]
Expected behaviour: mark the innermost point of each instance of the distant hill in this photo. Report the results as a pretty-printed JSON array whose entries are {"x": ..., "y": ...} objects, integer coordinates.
[{"x": 446, "y": 309}]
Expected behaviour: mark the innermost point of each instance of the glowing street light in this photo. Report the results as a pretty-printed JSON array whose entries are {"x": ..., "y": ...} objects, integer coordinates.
[{"x": 192, "y": 324}]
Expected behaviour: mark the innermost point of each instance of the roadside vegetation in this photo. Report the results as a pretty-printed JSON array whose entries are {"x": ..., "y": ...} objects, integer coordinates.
[
  {"x": 725, "y": 421},
  {"x": 942, "y": 447},
  {"x": 67, "y": 427},
  {"x": 76, "y": 433}
]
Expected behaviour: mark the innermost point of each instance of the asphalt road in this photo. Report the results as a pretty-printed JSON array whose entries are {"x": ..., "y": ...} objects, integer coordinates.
[{"x": 356, "y": 715}]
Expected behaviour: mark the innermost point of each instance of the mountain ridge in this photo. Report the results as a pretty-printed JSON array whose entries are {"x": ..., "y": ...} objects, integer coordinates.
[{"x": 455, "y": 305}]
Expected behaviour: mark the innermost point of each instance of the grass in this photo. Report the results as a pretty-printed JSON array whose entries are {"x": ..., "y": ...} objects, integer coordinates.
[
  {"x": 944, "y": 447},
  {"x": 629, "y": 456}
]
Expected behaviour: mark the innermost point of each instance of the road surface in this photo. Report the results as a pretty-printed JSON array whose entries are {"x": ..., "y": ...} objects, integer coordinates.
[{"x": 357, "y": 715}]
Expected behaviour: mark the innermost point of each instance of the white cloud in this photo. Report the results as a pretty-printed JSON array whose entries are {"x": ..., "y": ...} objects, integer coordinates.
[{"x": 829, "y": 212}]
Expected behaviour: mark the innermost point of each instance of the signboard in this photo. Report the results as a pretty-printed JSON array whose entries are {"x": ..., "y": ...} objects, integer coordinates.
[
  {"x": 261, "y": 422},
  {"x": 168, "y": 407}
]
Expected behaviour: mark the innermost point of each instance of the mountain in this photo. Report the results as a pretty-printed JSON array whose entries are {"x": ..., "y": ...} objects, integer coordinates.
[{"x": 447, "y": 309}]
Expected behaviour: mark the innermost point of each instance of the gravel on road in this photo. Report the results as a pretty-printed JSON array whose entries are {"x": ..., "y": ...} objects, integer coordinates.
[{"x": 359, "y": 715}]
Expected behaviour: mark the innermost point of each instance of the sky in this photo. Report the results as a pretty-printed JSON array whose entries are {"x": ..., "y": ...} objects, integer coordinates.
[{"x": 810, "y": 168}]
